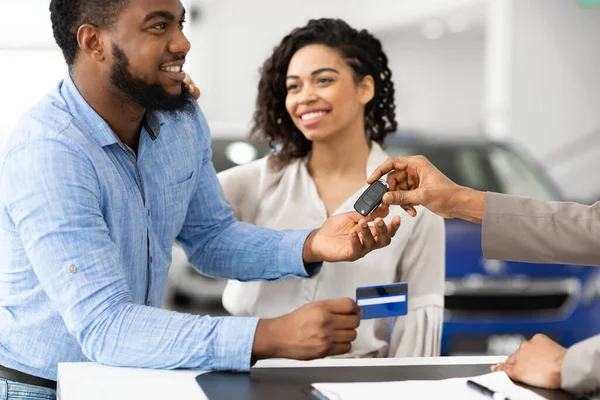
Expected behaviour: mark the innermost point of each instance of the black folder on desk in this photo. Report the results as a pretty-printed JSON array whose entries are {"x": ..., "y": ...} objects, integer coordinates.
[{"x": 292, "y": 383}]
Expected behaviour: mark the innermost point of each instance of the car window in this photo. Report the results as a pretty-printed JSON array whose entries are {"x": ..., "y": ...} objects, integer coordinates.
[
  {"x": 475, "y": 170},
  {"x": 465, "y": 166},
  {"x": 491, "y": 168},
  {"x": 519, "y": 178}
]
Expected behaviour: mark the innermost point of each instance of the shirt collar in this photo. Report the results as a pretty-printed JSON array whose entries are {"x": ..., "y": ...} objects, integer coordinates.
[{"x": 93, "y": 123}]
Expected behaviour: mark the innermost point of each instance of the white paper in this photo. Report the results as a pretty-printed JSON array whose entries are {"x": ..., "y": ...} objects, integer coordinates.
[{"x": 455, "y": 388}]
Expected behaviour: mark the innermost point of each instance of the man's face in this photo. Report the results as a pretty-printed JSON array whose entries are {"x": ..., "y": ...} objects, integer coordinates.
[{"x": 149, "y": 49}]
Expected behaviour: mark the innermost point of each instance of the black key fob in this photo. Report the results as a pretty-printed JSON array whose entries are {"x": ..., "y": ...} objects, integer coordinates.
[{"x": 371, "y": 198}]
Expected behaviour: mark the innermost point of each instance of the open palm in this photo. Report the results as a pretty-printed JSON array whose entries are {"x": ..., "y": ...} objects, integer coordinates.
[{"x": 348, "y": 237}]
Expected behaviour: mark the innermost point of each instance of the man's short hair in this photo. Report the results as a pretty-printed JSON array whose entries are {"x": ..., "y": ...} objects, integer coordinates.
[{"x": 68, "y": 15}]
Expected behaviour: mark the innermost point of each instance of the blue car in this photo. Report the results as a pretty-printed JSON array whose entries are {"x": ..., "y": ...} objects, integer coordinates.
[{"x": 491, "y": 306}]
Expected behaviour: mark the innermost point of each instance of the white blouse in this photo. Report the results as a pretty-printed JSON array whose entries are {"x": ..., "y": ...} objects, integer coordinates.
[{"x": 288, "y": 199}]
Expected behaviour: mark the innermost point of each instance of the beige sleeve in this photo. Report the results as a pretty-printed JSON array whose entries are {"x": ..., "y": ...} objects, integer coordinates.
[
  {"x": 423, "y": 266},
  {"x": 529, "y": 230},
  {"x": 581, "y": 367}
]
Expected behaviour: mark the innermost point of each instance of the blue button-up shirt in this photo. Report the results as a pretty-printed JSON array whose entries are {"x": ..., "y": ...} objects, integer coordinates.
[{"x": 86, "y": 230}]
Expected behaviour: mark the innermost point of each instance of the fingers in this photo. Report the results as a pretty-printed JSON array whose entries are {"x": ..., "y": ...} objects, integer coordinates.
[
  {"x": 357, "y": 247},
  {"x": 380, "y": 212},
  {"x": 382, "y": 235},
  {"x": 346, "y": 321},
  {"x": 508, "y": 365},
  {"x": 410, "y": 210},
  {"x": 498, "y": 367},
  {"x": 344, "y": 336},
  {"x": 398, "y": 180},
  {"x": 394, "y": 197},
  {"x": 404, "y": 198},
  {"x": 384, "y": 209},
  {"x": 366, "y": 237},
  {"x": 508, "y": 369},
  {"x": 343, "y": 305},
  {"x": 395, "y": 225},
  {"x": 340, "y": 348},
  {"x": 381, "y": 232},
  {"x": 375, "y": 237},
  {"x": 194, "y": 90},
  {"x": 392, "y": 163}
]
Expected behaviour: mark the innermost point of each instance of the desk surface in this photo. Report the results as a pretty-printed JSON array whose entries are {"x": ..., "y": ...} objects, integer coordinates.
[
  {"x": 94, "y": 381},
  {"x": 291, "y": 383}
]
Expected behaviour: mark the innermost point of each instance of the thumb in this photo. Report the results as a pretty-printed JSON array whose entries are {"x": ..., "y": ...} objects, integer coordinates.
[
  {"x": 342, "y": 306},
  {"x": 511, "y": 372},
  {"x": 507, "y": 368},
  {"x": 403, "y": 197}
]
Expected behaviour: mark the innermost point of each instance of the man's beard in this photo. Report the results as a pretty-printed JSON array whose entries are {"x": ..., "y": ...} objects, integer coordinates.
[{"x": 149, "y": 96}]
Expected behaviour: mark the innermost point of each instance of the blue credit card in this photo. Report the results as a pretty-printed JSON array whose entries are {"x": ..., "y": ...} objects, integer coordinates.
[{"x": 383, "y": 301}]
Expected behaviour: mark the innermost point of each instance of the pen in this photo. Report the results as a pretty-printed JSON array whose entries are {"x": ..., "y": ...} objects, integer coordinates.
[
  {"x": 486, "y": 391},
  {"x": 315, "y": 394}
]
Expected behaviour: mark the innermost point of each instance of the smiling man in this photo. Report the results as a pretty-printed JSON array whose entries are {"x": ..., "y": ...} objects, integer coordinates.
[{"x": 97, "y": 182}]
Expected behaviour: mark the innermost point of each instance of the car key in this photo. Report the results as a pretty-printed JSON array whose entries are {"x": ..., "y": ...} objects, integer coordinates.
[{"x": 371, "y": 198}]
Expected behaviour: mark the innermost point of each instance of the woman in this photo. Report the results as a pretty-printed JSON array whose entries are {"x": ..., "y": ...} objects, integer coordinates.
[{"x": 326, "y": 103}]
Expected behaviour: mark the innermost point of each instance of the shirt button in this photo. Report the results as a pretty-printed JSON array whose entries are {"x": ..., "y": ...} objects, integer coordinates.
[
  {"x": 148, "y": 212},
  {"x": 72, "y": 269},
  {"x": 148, "y": 303},
  {"x": 150, "y": 259}
]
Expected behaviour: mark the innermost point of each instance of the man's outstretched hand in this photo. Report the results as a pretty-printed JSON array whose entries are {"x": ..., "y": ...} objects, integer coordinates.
[{"x": 349, "y": 236}]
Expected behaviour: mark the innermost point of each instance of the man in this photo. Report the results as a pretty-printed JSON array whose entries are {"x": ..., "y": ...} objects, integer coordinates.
[
  {"x": 97, "y": 182},
  {"x": 517, "y": 229}
]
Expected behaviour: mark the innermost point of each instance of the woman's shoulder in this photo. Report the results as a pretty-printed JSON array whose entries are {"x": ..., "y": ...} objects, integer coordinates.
[
  {"x": 250, "y": 181},
  {"x": 239, "y": 172},
  {"x": 255, "y": 173}
]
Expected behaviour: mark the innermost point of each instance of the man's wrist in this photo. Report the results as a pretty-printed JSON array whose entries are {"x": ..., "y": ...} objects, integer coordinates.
[
  {"x": 265, "y": 340},
  {"x": 308, "y": 255},
  {"x": 468, "y": 204}
]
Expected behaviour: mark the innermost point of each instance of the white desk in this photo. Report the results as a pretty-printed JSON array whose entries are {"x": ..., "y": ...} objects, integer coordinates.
[{"x": 93, "y": 381}]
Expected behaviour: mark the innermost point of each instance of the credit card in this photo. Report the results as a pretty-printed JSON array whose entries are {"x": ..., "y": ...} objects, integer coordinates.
[{"x": 383, "y": 301}]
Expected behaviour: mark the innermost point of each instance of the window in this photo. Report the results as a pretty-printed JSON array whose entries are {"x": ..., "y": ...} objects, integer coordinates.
[
  {"x": 519, "y": 178},
  {"x": 486, "y": 168}
]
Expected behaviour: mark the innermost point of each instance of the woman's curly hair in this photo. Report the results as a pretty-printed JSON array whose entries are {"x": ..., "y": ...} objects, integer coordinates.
[{"x": 363, "y": 53}]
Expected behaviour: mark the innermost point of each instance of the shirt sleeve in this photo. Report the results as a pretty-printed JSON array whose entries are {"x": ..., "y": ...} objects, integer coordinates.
[
  {"x": 52, "y": 196},
  {"x": 423, "y": 266},
  {"x": 580, "y": 368},
  {"x": 536, "y": 231},
  {"x": 219, "y": 245}
]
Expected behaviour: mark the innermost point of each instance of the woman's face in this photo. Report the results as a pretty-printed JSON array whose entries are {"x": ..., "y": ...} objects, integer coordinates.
[{"x": 323, "y": 98}]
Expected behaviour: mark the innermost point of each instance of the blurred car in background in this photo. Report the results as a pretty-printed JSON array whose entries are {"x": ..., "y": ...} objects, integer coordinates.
[{"x": 491, "y": 306}]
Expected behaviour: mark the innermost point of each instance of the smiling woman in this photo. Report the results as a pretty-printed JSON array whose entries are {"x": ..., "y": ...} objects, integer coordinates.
[{"x": 326, "y": 103}]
